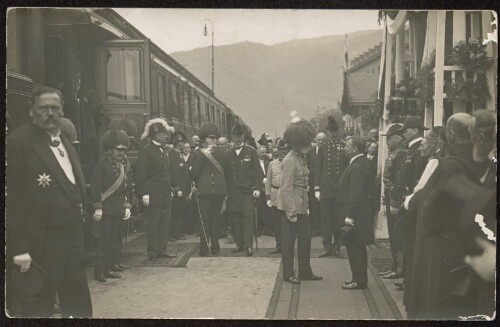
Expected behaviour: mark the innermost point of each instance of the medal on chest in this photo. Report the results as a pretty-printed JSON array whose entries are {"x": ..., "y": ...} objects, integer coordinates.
[{"x": 44, "y": 180}]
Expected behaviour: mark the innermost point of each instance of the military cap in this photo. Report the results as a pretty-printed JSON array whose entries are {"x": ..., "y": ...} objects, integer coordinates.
[
  {"x": 414, "y": 122},
  {"x": 394, "y": 129}
]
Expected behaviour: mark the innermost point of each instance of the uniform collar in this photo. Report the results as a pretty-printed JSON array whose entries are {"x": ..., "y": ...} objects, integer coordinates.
[
  {"x": 352, "y": 159},
  {"x": 414, "y": 141}
]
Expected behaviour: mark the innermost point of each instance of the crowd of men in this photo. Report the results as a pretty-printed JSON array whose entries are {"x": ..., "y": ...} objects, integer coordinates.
[{"x": 438, "y": 194}]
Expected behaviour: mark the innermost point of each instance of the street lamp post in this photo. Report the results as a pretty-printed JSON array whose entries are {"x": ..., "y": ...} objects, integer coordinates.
[{"x": 205, "y": 34}]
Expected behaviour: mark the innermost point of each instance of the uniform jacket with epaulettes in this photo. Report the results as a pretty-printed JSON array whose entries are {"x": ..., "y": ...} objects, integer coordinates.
[
  {"x": 331, "y": 163},
  {"x": 153, "y": 175},
  {"x": 206, "y": 177}
]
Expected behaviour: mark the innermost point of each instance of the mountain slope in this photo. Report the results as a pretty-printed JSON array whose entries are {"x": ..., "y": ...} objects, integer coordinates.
[{"x": 263, "y": 84}]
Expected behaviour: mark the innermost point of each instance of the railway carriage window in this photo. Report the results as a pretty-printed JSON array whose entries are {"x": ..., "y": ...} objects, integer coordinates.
[
  {"x": 123, "y": 70},
  {"x": 198, "y": 110},
  {"x": 173, "y": 98},
  {"x": 161, "y": 94}
]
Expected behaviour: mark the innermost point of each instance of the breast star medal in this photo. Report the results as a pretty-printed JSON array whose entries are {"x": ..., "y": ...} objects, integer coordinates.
[{"x": 43, "y": 180}]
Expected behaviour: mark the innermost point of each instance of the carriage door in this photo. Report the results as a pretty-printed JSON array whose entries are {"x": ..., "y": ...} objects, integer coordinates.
[{"x": 123, "y": 85}]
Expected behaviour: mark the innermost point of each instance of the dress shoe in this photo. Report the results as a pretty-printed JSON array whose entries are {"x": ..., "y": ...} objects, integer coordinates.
[
  {"x": 337, "y": 254},
  {"x": 180, "y": 238},
  {"x": 391, "y": 275},
  {"x": 275, "y": 251},
  {"x": 311, "y": 277},
  {"x": 293, "y": 280},
  {"x": 172, "y": 239},
  {"x": 111, "y": 275},
  {"x": 123, "y": 266},
  {"x": 353, "y": 286},
  {"x": 347, "y": 282},
  {"x": 325, "y": 254},
  {"x": 400, "y": 286},
  {"x": 168, "y": 256},
  {"x": 116, "y": 269},
  {"x": 383, "y": 273},
  {"x": 237, "y": 250},
  {"x": 249, "y": 252},
  {"x": 399, "y": 283},
  {"x": 100, "y": 278}
]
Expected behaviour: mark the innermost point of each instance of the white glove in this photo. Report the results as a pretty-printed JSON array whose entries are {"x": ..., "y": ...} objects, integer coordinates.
[
  {"x": 256, "y": 194},
  {"x": 127, "y": 213},
  {"x": 407, "y": 201},
  {"x": 179, "y": 194},
  {"x": 97, "y": 214},
  {"x": 269, "y": 204},
  {"x": 293, "y": 220},
  {"x": 145, "y": 200},
  {"x": 23, "y": 261},
  {"x": 349, "y": 221},
  {"x": 317, "y": 195},
  {"x": 265, "y": 180}
]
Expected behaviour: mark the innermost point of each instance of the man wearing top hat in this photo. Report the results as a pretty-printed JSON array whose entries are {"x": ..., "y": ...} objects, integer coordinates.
[
  {"x": 244, "y": 181},
  {"x": 207, "y": 171},
  {"x": 155, "y": 185},
  {"x": 46, "y": 193},
  {"x": 180, "y": 169},
  {"x": 331, "y": 162}
]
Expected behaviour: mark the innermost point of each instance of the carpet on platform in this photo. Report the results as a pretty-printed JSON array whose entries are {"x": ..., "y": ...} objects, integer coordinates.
[{"x": 135, "y": 254}]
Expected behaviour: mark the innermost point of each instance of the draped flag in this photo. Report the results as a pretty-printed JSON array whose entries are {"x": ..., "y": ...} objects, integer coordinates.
[{"x": 346, "y": 54}]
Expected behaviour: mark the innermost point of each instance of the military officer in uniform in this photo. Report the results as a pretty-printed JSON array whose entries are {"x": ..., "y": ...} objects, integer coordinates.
[
  {"x": 155, "y": 185},
  {"x": 314, "y": 206},
  {"x": 394, "y": 141},
  {"x": 46, "y": 190},
  {"x": 207, "y": 170},
  {"x": 244, "y": 181},
  {"x": 408, "y": 174},
  {"x": 293, "y": 200},
  {"x": 180, "y": 169},
  {"x": 331, "y": 162}
]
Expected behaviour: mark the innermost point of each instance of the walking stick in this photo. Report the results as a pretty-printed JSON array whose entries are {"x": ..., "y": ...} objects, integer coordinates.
[
  {"x": 201, "y": 221},
  {"x": 255, "y": 224}
]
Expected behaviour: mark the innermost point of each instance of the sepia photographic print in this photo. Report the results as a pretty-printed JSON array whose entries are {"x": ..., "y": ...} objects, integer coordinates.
[{"x": 278, "y": 164}]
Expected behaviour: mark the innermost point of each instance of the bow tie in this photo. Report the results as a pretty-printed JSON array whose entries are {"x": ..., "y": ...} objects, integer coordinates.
[{"x": 55, "y": 142}]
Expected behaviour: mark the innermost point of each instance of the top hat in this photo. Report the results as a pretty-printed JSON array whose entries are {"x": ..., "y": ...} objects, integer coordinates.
[
  {"x": 394, "y": 129},
  {"x": 30, "y": 283},
  {"x": 414, "y": 122}
]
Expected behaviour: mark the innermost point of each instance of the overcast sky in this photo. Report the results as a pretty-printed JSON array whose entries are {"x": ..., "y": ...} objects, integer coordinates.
[{"x": 182, "y": 29}]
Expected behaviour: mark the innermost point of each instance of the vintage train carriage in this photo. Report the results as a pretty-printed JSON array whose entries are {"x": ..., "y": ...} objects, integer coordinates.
[{"x": 108, "y": 72}]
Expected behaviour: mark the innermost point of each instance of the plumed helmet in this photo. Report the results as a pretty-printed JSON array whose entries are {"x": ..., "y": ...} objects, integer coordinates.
[
  {"x": 209, "y": 130},
  {"x": 299, "y": 133},
  {"x": 332, "y": 125},
  {"x": 177, "y": 137},
  {"x": 156, "y": 125},
  {"x": 239, "y": 130},
  {"x": 68, "y": 129}
]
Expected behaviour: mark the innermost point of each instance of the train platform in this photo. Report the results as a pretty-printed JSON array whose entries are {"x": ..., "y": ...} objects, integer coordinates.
[{"x": 234, "y": 286}]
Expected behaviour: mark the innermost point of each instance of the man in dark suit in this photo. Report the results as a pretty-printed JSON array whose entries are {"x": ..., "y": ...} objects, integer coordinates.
[
  {"x": 354, "y": 205},
  {"x": 207, "y": 170},
  {"x": 46, "y": 191},
  {"x": 330, "y": 164},
  {"x": 244, "y": 182},
  {"x": 180, "y": 169},
  {"x": 314, "y": 205},
  {"x": 155, "y": 185},
  {"x": 264, "y": 220}
]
